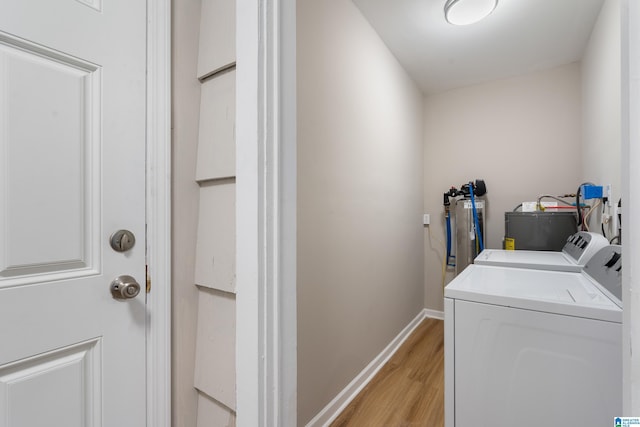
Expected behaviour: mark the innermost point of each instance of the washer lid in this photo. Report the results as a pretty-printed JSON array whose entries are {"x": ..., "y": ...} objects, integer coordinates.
[
  {"x": 557, "y": 292},
  {"x": 539, "y": 260}
]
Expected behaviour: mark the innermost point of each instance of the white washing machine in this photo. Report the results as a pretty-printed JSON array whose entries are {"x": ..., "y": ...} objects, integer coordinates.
[
  {"x": 534, "y": 347},
  {"x": 580, "y": 247}
]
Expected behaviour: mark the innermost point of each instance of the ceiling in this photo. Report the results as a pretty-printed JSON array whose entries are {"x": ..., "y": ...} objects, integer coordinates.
[{"x": 519, "y": 37}]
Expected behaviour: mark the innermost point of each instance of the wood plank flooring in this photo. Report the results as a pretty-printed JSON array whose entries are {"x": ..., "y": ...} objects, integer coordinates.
[{"x": 409, "y": 389}]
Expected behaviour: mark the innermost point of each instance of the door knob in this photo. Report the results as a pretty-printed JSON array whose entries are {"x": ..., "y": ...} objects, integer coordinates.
[{"x": 125, "y": 287}]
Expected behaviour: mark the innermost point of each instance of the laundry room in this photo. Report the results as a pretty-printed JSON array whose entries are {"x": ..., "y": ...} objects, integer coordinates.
[
  {"x": 395, "y": 106},
  {"x": 319, "y": 213}
]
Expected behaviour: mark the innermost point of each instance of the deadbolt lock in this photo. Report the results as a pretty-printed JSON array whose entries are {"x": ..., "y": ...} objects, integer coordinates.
[
  {"x": 125, "y": 287},
  {"x": 122, "y": 240}
]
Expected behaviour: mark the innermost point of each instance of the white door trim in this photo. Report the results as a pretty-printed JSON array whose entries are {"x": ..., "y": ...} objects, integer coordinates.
[
  {"x": 159, "y": 212},
  {"x": 630, "y": 204},
  {"x": 266, "y": 315}
]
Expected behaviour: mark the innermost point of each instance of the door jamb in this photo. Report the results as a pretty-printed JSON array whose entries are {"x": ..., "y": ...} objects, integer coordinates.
[
  {"x": 158, "y": 207},
  {"x": 630, "y": 13},
  {"x": 266, "y": 333}
]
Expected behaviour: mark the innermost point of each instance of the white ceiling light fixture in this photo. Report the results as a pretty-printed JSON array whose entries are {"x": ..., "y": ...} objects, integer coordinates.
[{"x": 465, "y": 12}]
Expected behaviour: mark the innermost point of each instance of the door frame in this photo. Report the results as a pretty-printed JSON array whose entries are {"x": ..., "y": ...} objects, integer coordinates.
[
  {"x": 158, "y": 207},
  {"x": 630, "y": 153},
  {"x": 266, "y": 333}
]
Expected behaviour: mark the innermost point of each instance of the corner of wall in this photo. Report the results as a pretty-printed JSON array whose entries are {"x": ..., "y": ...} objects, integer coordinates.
[{"x": 204, "y": 213}]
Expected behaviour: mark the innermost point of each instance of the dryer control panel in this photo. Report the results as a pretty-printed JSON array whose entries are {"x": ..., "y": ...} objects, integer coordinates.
[
  {"x": 605, "y": 267},
  {"x": 583, "y": 245}
]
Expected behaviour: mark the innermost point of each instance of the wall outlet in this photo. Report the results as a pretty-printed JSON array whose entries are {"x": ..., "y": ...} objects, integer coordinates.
[{"x": 426, "y": 219}]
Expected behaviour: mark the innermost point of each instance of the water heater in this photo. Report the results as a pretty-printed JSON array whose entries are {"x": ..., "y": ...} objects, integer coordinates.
[{"x": 467, "y": 243}]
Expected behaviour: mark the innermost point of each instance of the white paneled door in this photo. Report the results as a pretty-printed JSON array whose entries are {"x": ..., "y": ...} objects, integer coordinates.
[{"x": 72, "y": 172}]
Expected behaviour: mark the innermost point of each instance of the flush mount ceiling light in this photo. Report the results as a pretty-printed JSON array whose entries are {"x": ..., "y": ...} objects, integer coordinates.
[{"x": 465, "y": 12}]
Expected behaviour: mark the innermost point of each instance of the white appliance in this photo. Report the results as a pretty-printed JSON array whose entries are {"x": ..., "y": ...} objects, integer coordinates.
[
  {"x": 580, "y": 247},
  {"x": 534, "y": 347}
]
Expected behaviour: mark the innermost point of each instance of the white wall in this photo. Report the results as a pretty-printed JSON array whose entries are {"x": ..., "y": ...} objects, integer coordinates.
[
  {"x": 203, "y": 235},
  {"x": 186, "y": 104},
  {"x": 215, "y": 266},
  {"x": 603, "y": 153},
  {"x": 360, "y": 249},
  {"x": 601, "y": 102},
  {"x": 521, "y": 135}
]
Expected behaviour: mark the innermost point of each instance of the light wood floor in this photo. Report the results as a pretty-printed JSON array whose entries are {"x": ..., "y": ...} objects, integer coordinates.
[{"x": 409, "y": 389}]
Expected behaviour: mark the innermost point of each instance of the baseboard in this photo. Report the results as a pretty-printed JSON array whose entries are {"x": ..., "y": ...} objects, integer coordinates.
[
  {"x": 330, "y": 412},
  {"x": 433, "y": 314}
]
